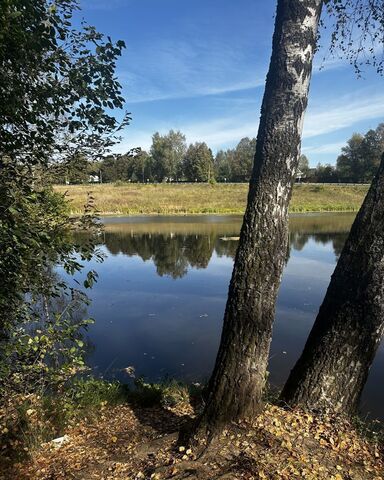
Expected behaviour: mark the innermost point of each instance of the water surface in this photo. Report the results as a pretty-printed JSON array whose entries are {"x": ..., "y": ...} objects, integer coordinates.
[{"x": 161, "y": 294}]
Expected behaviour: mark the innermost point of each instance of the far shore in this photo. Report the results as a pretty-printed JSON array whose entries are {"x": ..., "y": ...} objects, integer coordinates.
[{"x": 133, "y": 199}]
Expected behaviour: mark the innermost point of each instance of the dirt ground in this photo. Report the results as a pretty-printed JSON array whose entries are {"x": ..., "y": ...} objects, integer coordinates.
[{"x": 136, "y": 443}]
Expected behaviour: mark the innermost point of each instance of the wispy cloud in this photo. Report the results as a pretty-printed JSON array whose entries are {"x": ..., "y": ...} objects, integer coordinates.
[
  {"x": 187, "y": 60},
  {"x": 327, "y": 148},
  {"x": 185, "y": 69},
  {"x": 154, "y": 95},
  {"x": 142, "y": 139},
  {"x": 226, "y": 130},
  {"x": 347, "y": 111},
  {"x": 177, "y": 76},
  {"x": 325, "y": 64},
  {"x": 222, "y": 132},
  {"x": 318, "y": 122}
]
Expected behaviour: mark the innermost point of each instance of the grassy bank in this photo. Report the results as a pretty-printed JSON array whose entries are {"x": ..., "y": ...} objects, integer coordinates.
[{"x": 165, "y": 199}]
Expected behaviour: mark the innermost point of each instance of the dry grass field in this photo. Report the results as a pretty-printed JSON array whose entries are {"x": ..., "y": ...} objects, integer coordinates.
[{"x": 173, "y": 199}]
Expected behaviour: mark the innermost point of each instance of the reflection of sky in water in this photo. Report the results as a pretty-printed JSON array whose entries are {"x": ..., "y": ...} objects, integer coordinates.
[{"x": 158, "y": 313}]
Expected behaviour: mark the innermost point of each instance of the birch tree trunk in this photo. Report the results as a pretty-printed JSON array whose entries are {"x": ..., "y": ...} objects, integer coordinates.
[
  {"x": 238, "y": 379},
  {"x": 334, "y": 366}
]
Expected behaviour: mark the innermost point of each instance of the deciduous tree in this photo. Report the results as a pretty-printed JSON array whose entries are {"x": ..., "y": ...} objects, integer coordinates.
[
  {"x": 198, "y": 163},
  {"x": 167, "y": 152},
  {"x": 238, "y": 379},
  {"x": 243, "y": 160},
  {"x": 333, "y": 368},
  {"x": 360, "y": 158},
  {"x": 303, "y": 165},
  {"x": 57, "y": 91},
  {"x": 223, "y": 165}
]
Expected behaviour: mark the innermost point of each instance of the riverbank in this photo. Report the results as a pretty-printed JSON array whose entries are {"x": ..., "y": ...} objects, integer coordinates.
[
  {"x": 190, "y": 199},
  {"x": 132, "y": 440}
]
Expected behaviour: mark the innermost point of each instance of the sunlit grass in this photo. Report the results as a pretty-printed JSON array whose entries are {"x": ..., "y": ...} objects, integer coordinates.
[{"x": 170, "y": 199}]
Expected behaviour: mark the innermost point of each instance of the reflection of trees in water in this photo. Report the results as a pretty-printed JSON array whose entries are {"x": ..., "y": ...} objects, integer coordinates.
[
  {"x": 298, "y": 240},
  {"x": 168, "y": 255},
  {"x": 130, "y": 244},
  {"x": 226, "y": 248},
  {"x": 199, "y": 249},
  {"x": 338, "y": 243},
  {"x": 174, "y": 253},
  {"x": 171, "y": 253}
]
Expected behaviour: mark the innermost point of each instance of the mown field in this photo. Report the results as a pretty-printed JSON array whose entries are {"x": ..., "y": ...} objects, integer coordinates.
[{"x": 169, "y": 199}]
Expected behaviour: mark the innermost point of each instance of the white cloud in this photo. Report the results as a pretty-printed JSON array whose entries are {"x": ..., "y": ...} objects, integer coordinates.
[
  {"x": 141, "y": 139},
  {"x": 327, "y": 148},
  {"x": 187, "y": 68},
  {"x": 349, "y": 110},
  {"x": 223, "y": 131},
  {"x": 152, "y": 94},
  {"x": 178, "y": 77}
]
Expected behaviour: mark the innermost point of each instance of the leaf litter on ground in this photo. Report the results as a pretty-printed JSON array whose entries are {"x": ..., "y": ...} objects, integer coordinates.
[{"x": 130, "y": 443}]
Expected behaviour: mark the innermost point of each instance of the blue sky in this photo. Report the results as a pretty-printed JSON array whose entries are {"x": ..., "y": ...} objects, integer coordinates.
[{"x": 199, "y": 66}]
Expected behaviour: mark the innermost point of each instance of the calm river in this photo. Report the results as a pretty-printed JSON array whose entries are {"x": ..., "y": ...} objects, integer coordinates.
[{"x": 161, "y": 294}]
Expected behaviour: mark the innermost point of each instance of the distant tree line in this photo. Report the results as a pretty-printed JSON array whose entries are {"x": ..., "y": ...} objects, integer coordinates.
[
  {"x": 357, "y": 163},
  {"x": 171, "y": 160}
]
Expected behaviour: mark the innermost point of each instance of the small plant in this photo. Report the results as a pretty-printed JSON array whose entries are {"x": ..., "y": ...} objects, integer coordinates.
[
  {"x": 88, "y": 393},
  {"x": 168, "y": 394},
  {"x": 40, "y": 358}
]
